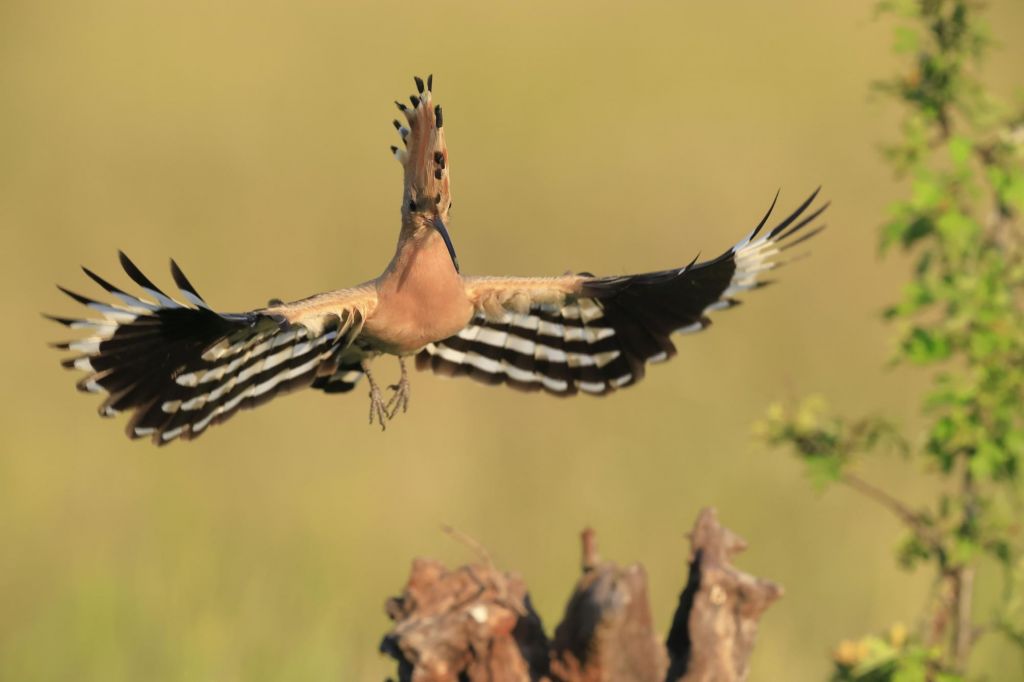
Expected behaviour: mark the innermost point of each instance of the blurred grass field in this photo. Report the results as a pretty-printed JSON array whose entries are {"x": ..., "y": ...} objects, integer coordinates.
[{"x": 249, "y": 141}]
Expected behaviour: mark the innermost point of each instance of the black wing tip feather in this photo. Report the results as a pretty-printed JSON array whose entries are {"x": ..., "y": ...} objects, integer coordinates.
[
  {"x": 136, "y": 274},
  {"x": 182, "y": 281},
  {"x": 776, "y": 232},
  {"x": 332, "y": 386},
  {"x": 802, "y": 238},
  {"x": 133, "y": 271},
  {"x": 778, "y": 229},
  {"x": 767, "y": 214},
  {"x": 76, "y": 297},
  {"x": 65, "y": 321},
  {"x": 107, "y": 286},
  {"x": 803, "y": 223}
]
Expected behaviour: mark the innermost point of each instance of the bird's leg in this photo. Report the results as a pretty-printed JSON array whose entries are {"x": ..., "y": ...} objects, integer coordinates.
[
  {"x": 378, "y": 409},
  {"x": 401, "y": 395}
]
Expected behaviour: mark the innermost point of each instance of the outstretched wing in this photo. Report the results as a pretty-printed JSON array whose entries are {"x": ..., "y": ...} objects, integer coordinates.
[
  {"x": 180, "y": 367},
  {"x": 344, "y": 378},
  {"x": 596, "y": 334}
]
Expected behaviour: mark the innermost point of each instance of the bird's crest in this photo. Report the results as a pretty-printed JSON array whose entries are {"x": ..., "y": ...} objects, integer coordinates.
[{"x": 424, "y": 156}]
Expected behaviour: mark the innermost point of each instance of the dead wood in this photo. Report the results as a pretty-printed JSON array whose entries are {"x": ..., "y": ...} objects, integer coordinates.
[
  {"x": 476, "y": 623},
  {"x": 715, "y": 625}
]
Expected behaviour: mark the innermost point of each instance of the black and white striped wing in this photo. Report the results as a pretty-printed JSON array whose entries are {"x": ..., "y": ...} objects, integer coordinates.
[
  {"x": 343, "y": 380},
  {"x": 180, "y": 368},
  {"x": 596, "y": 334},
  {"x": 561, "y": 349}
]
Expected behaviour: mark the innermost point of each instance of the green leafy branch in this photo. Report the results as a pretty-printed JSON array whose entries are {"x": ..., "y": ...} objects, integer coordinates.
[{"x": 961, "y": 317}]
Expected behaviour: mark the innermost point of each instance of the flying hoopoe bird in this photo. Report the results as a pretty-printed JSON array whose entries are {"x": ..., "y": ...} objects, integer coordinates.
[{"x": 180, "y": 367}]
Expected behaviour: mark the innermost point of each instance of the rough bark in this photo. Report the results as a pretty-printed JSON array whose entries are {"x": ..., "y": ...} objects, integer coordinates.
[
  {"x": 473, "y": 623},
  {"x": 607, "y": 633},
  {"x": 723, "y": 608},
  {"x": 476, "y": 622}
]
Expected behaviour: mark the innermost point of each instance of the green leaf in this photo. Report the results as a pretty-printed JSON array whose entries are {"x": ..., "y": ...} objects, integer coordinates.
[
  {"x": 919, "y": 228},
  {"x": 964, "y": 549},
  {"x": 923, "y": 346},
  {"x": 1014, "y": 441},
  {"x": 1001, "y": 550},
  {"x": 823, "y": 470},
  {"x": 1013, "y": 193},
  {"x": 987, "y": 460},
  {"x": 984, "y": 342},
  {"x": 960, "y": 149},
  {"x": 957, "y": 229},
  {"x": 911, "y": 670},
  {"x": 905, "y": 40},
  {"x": 925, "y": 194},
  {"x": 911, "y": 552}
]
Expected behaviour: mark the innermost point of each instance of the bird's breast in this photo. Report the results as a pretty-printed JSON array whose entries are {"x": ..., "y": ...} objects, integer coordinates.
[{"x": 420, "y": 308}]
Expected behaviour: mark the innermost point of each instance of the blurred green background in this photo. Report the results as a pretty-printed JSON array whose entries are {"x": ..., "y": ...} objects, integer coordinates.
[{"x": 249, "y": 140}]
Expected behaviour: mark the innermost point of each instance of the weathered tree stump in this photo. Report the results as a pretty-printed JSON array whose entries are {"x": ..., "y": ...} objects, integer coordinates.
[
  {"x": 476, "y": 623},
  {"x": 606, "y": 632},
  {"x": 715, "y": 625}
]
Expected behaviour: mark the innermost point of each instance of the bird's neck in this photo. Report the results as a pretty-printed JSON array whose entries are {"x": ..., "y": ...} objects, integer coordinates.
[{"x": 421, "y": 260}]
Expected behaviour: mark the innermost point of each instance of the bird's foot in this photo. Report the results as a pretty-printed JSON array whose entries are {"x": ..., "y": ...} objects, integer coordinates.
[
  {"x": 378, "y": 408},
  {"x": 400, "y": 397}
]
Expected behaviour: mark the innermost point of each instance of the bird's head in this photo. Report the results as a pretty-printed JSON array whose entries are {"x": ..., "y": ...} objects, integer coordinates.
[{"x": 426, "y": 199}]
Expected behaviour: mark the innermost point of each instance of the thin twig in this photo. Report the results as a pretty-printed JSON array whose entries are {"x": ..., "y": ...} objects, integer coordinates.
[
  {"x": 911, "y": 518},
  {"x": 964, "y": 632},
  {"x": 1011, "y": 633},
  {"x": 963, "y": 622},
  {"x": 470, "y": 542},
  {"x": 589, "y": 555}
]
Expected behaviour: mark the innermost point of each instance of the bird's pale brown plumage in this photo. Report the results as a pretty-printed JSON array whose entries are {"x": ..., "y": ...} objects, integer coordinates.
[{"x": 179, "y": 367}]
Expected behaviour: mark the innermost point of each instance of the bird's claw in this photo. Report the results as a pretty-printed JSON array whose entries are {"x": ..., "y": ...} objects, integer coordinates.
[
  {"x": 383, "y": 412},
  {"x": 399, "y": 399},
  {"x": 378, "y": 408}
]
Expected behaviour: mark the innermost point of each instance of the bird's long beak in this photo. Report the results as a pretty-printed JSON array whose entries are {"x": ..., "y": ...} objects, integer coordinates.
[{"x": 439, "y": 226}]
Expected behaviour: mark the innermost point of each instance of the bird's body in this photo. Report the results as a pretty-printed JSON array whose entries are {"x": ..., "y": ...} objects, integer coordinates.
[
  {"x": 180, "y": 367},
  {"x": 420, "y": 298}
]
